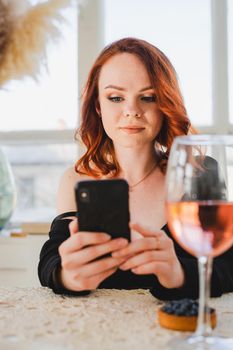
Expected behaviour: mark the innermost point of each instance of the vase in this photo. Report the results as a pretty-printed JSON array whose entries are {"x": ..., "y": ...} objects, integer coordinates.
[{"x": 7, "y": 190}]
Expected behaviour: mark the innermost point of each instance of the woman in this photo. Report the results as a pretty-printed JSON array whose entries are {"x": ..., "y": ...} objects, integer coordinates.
[{"x": 132, "y": 110}]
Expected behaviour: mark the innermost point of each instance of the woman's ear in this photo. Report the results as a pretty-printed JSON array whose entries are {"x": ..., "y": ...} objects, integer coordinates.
[{"x": 97, "y": 108}]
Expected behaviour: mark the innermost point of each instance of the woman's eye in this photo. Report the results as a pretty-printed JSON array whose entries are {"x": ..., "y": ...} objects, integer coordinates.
[
  {"x": 115, "y": 99},
  {"x": 148, "y": 98}
]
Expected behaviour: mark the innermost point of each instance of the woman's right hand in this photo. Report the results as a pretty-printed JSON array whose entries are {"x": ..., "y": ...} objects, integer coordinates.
[{"x": 78, "y": 270}]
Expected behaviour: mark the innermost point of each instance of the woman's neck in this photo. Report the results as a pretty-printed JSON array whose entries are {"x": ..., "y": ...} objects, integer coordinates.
[{"x": 136, "y": 163}]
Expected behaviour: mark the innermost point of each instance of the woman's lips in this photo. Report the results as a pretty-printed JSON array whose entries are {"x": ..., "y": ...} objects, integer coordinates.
[{"x": 132, "y": 129}]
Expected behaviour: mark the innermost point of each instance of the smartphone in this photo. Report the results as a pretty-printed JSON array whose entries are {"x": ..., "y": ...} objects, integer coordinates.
[{"x": 103, "y": 206}]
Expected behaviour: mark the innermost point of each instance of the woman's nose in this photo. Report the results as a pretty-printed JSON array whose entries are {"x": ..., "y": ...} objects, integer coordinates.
[
  {"x": 132, "y": 111},
  {"x": 133, "y": 114}
]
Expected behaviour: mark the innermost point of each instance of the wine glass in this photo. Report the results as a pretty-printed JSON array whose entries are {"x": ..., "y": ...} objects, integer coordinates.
[
  {"x": 199, "y": 185},
  {"x": 7, "y": 190}
]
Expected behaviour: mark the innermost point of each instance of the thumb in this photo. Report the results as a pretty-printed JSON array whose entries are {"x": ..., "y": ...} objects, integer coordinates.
[
  {"x": 73, "y": 226},
  {"x": 146, "y": 232}
]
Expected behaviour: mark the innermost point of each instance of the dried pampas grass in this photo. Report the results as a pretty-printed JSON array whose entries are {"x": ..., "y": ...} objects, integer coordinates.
[
  {"x": 23, "y": 38},
  {"x": 16, "y": 7},
  {"x": 4, "y": 27}
]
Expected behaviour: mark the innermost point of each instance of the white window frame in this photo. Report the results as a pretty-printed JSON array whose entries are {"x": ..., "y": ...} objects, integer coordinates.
[
  {"x": 220, "y": 76},
  {"x": 91, "y": 30},
  {"x": 37, "y": 137},
  {"x": 91, "y": 41}
]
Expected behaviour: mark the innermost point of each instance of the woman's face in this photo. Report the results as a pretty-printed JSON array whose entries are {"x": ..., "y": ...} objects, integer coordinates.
[{"x": 127, "y": 102}]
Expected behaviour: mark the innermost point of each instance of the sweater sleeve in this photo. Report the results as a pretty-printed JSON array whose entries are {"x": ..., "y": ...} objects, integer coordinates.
[
  {"x": 50, "y": 260},
  {"x": 221, "y": 279}
]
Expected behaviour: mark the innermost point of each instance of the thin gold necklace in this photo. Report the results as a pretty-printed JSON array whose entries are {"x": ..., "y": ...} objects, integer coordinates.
[{"x": 131, "y": 187}]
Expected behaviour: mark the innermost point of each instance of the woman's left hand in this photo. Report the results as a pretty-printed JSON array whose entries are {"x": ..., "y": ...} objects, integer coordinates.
[{"x": 153, "y": 254}]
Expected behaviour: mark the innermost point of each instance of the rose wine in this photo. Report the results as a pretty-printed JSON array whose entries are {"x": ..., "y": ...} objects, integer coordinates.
[{"x": 202, "y": 228}]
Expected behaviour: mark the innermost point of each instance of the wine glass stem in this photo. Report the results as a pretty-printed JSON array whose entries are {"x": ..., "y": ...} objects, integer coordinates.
[{"x": 205, "y": 271}]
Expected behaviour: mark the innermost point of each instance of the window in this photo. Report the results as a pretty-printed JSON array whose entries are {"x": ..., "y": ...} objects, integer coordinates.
[
  {"x": 41, "y": 117},
  {"x": 182, "y": 30},
  {"x": 230, "y": 57},
  {"x": 37, "y": 126},
  {"x": 50, "y": 103},
  {"x": 37, "y": 170},
  {"x": 26, "y": 196}
]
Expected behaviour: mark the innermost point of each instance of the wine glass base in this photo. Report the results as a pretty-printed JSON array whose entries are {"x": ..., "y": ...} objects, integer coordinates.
[{"x": 201, "y": 343}]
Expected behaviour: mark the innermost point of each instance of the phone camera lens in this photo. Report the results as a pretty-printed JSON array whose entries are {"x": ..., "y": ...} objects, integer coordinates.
[{"x": 84, "y": 195}]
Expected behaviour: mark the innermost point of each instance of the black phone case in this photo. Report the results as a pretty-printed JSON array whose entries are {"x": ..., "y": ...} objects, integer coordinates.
[{"x": 103, "y": 206}]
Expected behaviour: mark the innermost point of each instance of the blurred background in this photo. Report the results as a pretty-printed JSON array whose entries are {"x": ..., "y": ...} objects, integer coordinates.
[{"x": 38, "y": 119}]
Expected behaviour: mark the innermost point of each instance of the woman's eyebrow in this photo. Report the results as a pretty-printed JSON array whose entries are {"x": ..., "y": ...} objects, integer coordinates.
[
  {"x": 147, "y": 88},
  {"x": 114, "y": 87},
  {"x": 123, "y": 89}
]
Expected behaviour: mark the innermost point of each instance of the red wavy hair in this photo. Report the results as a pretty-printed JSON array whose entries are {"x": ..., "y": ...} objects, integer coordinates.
[{"x": 99, "y": 158}]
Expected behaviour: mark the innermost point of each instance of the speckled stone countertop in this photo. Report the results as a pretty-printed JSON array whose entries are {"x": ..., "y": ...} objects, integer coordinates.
[{"x": 36, "y": 318}]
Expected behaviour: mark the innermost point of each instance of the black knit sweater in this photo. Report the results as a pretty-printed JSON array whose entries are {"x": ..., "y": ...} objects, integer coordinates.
[{"x": 222, "y": 276}]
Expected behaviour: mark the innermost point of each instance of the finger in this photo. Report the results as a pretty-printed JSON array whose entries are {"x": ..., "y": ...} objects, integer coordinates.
[
  {"x": 97, "y": 267},
  {"x": 93, "y": 282},
  {"x": 104, "y": 275},
  {"x": 163, "y": 241},
  {"x": 73, "y": 226},
  {"x": 82, "y": 239},
  {"x": 155, "y": 267},
  {"x": 95, "y": 251},
  {"x": 145, "y": 231},
  {"x": 144, "y": 258},
  {"x": 137, "y": 246}
]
